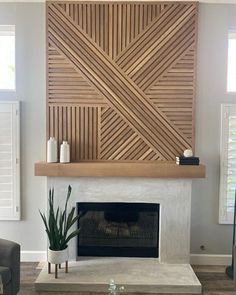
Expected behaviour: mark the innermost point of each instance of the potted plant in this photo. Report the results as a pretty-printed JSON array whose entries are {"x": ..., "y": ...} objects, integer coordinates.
[{"x": 58, "y": 225}]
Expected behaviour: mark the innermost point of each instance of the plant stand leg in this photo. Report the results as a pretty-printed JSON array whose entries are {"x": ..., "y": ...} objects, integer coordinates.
[
  {"x": 49, "y": 267},
  {"x": 56, "y": 271},
  {"x": 66, "y": 270}
]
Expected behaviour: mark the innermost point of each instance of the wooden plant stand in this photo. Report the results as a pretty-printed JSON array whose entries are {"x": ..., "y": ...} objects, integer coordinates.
[{"x": 56, "y": 268}]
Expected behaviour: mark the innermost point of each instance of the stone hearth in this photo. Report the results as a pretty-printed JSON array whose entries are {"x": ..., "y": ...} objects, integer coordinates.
[{"x": 137, "y": 275}]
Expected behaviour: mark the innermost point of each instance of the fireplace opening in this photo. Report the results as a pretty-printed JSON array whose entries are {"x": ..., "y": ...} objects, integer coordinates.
[{"x": 118, "y": 229}]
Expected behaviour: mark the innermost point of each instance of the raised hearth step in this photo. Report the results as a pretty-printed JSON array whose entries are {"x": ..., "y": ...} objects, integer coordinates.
[{"x": 90, "y": 276}]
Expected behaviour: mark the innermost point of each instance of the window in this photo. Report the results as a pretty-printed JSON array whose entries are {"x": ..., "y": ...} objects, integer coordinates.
[
  {"x": 9, "y": 161},
  {"x": 7, "y": 58},
  {"x": 231, "y": 79},
  {"x": 227, "y": 163}
]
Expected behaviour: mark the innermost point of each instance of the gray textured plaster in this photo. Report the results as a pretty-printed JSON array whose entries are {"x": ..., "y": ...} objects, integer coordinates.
[{"x": 173, "y": 195}]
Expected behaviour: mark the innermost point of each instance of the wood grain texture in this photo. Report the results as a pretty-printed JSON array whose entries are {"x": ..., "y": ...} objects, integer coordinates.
[
  {"x": 121, "y": 78},
  {"x": 120, "y": 168}
]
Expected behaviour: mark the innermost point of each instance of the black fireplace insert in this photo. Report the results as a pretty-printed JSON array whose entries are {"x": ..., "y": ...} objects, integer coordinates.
[{"x": 118, "y": 229}]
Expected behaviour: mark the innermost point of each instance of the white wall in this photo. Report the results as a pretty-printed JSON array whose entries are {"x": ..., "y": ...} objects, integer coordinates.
[
  {"x": 30, "y": 90},
  {"x": 214, "y": 21}
]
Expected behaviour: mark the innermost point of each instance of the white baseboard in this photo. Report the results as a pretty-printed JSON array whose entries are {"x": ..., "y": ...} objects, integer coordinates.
[
  {"x": 32, "y": 256},
  {"x": 195, "y": 259},
  {"x": 210, "y": 259}
]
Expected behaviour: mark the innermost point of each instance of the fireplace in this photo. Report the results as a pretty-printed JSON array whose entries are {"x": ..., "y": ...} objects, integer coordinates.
[
  {"x": 118, "y": 229},
  {"x": 172, "y": 195}
]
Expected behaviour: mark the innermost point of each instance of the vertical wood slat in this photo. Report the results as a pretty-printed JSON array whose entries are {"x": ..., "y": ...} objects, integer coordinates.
[
  {"x": 90, "y": 139},
  {"x": 124, "y": 25},
  {"x": 99, "y": 111},
  {"x": 82, "y": 123},
  {"x": 73, "y": 133},
  {"x": 80, "y": 19},
  {"x": 78, "y": 126},
  {"x": 77, "y": 135},
  {"x": 112, "y": 26},
  {"x": 86, "y": 134},
  {"x": 69, "y": 127},
  {"x": 60, "y": 124},
  {"x": 115, "y": 30},
  {"x": 74, "y": 104},
  {"x": 128, "y": 23}
]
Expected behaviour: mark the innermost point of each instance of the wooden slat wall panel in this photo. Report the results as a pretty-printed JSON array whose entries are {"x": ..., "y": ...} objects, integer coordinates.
[
  {"x": 66, "y": 84},
  {"x": 113, "y": 26},
  {"x": 173, "y": 94},
  {"x": 121, "y": 78},
  {"x": 79, "y": 126},
  {"x": 120, "y": 142}
]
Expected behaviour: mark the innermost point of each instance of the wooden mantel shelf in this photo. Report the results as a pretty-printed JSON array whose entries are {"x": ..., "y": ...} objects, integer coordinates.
[{"x": 111, "y": 169}]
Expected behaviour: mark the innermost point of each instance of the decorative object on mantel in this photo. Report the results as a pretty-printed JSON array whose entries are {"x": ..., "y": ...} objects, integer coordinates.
[
  {"x": 188, "y": 153},
  {"x": 187, "y": 158},
  {"x": 52, "y": 150},
  {"x": 112, "y": 288},
  {"x": 65, "y": 152},
  {"x": 57, "y": 226}
]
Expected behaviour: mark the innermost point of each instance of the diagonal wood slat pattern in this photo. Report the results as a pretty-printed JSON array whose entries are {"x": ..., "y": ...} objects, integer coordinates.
[
  {"x": 123, "y": 95},
  {"x": 121, "y": 78},
  {"x": 120, "y": 142},
  {"x": 112, "y": 26},
  {"x": 173, "y": 94},
  {"x": 67, "y": 84}
]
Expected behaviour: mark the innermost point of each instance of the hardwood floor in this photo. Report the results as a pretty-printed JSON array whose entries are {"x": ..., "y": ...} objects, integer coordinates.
[
  {"x": 29, "y": 273},
  {"x": 212, "y": 278}
]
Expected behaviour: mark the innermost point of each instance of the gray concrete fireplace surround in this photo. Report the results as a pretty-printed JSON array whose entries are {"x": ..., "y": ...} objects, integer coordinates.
[
  {"x": 170, "y": 273},
  {"x": 173, "y": 195}
]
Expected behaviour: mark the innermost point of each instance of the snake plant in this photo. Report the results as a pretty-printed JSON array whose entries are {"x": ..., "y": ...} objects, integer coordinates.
[{"x": 58, "y": 223}]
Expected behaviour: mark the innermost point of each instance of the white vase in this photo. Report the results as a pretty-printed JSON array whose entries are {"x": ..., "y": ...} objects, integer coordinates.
[
  {"x": 58, "y": 257},
  {"x": 65, "y": 152},
  {"x": 52, "y": 150}
]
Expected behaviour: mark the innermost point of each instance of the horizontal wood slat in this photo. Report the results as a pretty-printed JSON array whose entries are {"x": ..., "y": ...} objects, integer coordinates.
[
  {"x": 66, "y": 85},
  {"x": 121, "y": 79}
]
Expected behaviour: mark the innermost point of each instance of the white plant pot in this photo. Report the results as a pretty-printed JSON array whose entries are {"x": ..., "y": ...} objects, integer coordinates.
[{"x": 58, "y": 257}]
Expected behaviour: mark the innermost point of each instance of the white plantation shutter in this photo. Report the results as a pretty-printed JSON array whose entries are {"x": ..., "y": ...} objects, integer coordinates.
[
  {"x": 228, "y": 163},
  {"x": 9, "y": 161}
]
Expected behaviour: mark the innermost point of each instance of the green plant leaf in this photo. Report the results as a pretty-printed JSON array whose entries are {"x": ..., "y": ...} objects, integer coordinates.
[
  {"x": 72, "y": 235},
  {"x": 59, "y": 222}
]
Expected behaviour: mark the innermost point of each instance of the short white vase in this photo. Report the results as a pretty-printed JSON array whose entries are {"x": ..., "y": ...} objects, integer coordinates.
[
  {"x": 65, "y": 152},
  {"x": 58, "y": 257}
]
